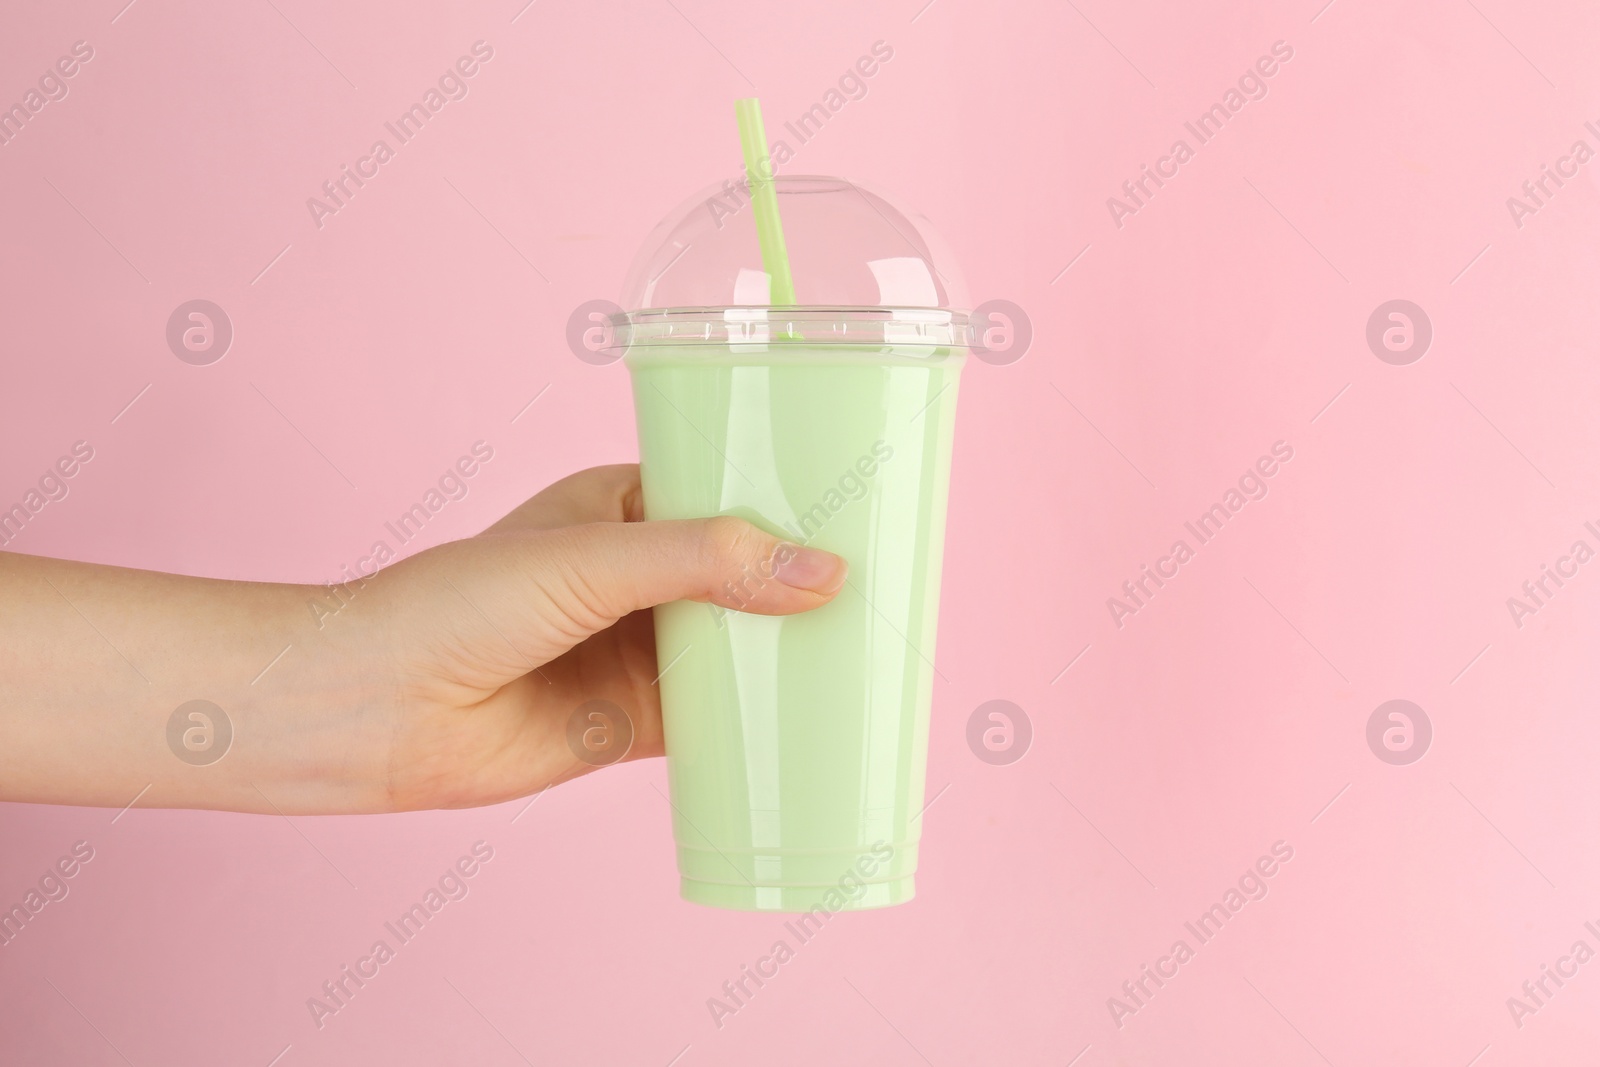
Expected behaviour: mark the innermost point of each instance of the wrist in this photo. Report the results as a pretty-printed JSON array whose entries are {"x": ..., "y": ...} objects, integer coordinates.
[{"x": 328, "y": 720}]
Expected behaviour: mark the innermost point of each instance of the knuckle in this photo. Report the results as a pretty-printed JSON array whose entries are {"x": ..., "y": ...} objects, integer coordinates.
[
  {"x": 585, "y": 586},
  {"x": 726, "y": 540}
]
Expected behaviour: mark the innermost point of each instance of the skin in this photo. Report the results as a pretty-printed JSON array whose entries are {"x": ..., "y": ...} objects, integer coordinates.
[{"x": 446, "y": 681}]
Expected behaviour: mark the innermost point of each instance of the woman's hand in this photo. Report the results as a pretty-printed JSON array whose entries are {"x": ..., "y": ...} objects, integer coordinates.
[
  {"x": 499, "y": 639},
  {"x": 446, "y": 680}
]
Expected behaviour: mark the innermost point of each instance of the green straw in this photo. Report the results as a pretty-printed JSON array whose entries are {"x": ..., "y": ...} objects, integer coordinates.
[{"x": 764, "y": 198}]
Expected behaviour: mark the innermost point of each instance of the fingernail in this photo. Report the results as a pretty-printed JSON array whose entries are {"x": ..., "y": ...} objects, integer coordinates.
[{"x": 809, "y": 568}]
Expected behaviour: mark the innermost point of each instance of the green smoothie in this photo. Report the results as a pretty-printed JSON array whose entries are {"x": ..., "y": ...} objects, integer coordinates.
[{"x": 797, "y": 746}]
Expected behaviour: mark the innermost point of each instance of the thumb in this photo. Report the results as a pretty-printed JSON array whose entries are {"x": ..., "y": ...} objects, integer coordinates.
[
  {"x": 548, "y": 590},
  {"x": 611, "y": 569}
]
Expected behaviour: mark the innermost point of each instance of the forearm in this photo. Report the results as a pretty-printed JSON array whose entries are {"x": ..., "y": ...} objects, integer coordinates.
[{"x": 94, "y": 661}]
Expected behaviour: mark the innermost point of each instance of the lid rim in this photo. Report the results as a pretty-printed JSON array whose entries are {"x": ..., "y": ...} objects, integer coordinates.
[
  {"x": 793, "y": 310},
  {"x": 798, "y": 324}
]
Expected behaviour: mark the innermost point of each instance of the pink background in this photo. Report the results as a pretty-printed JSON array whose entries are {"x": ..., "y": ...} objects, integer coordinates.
[{"x": 1222, "y": 317}]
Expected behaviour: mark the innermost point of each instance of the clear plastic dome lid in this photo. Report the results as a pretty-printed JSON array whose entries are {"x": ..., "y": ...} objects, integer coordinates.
[{"x": 864, "y": 270}]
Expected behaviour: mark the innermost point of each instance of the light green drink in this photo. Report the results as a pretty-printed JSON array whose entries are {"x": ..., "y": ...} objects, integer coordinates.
[{"x": 797, "y": 745}]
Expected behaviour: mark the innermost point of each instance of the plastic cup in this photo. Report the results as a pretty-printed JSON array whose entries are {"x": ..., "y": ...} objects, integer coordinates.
[{"x": 797, "y": 746}]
